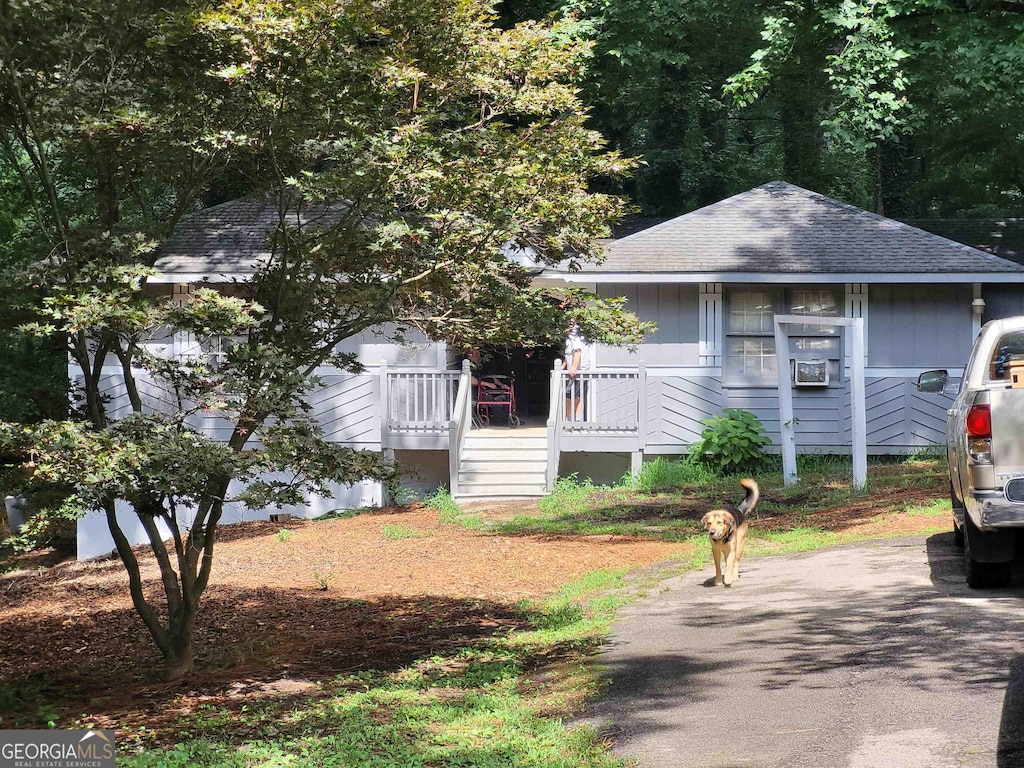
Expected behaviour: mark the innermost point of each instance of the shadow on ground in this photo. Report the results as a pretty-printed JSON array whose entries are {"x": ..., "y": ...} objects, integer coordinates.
[
  {"x": 250, "y": 643},
  {"x": 802, "y": 636}
]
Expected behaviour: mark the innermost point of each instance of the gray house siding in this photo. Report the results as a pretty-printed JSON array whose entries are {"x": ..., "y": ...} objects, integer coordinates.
[
  {"x": 345, "y": 406},
  {"x": 899, "y": 418},
  {"x": 1003, "y": 301},
  {"x": 919, "y": 325},
  {"x": 673, "y": 307},
  {"x": 676, "y": 405},
  {"x": 816, "y": 413},
  {"x": 909, "y": 327}
]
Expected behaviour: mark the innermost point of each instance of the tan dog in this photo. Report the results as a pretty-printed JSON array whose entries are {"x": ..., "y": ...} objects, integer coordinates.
[{"x": 727, "y": 529}]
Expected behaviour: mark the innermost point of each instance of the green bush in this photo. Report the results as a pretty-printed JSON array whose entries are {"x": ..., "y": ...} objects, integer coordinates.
[{"x": 733, "y": 442}]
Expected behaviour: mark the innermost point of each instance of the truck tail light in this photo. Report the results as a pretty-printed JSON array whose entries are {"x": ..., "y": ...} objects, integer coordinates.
[
  {"x": 979, "y": 434},
  {"x": 979, "y": 422}
]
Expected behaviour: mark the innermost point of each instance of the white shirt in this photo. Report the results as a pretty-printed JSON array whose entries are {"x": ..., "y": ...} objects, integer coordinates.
[{"x": 572, "y": 344}]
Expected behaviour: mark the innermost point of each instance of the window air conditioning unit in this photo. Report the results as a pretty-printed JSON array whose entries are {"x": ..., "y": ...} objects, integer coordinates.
[{"x": 810, "y": 373}]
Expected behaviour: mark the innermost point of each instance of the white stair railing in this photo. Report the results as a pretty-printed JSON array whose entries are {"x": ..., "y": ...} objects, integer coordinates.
[
  {"x": 458, "y": 428},
  {"x": 556, "y": 412}
]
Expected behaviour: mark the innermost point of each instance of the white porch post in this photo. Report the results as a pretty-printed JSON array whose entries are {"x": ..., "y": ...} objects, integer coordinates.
[
  {"x": 856, "y": 306},
  {"x": 858, "y": 410},
  {"x": 637, "y": 459},
  {"x": 556, "y": 407},
  {"x": 385, "y": 405},
  {"x": 786, "y": 424},
  {"x": 977, "y": 310}
]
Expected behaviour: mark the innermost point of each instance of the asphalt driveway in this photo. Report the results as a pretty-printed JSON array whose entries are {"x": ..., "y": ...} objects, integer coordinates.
[{"x": 868, "y": 656}]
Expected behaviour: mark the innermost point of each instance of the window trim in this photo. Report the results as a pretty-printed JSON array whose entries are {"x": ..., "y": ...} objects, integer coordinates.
[{"x": 781, "y": 298}]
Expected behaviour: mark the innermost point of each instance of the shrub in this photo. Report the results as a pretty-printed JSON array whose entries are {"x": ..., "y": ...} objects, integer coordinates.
[{"x": 733, "y": 441}]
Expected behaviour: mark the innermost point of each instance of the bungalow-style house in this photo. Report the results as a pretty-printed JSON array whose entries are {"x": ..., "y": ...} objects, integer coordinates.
[{"x": 713, "y": 280}]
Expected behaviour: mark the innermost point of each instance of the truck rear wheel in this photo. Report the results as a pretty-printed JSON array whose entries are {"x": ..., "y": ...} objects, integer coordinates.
[
  {"x": 958, "y": 532},
  {"x": 984, "y": 575}
]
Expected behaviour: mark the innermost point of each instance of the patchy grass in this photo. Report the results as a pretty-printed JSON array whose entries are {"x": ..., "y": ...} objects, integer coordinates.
[
  {"x": 664, "y": 473},
  {"x": 668, "y": 502},
  {"x": 395, "y": 532},
  {"x": 495, "y": 704},
  {"x": 447, "y": 510}
]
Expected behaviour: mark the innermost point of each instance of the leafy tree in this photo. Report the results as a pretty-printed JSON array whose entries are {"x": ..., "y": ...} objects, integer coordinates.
[
  {"x": 924, "y": 92},
  {"x": 657, "y": 88},
  {"x": 403, "y": 144}
]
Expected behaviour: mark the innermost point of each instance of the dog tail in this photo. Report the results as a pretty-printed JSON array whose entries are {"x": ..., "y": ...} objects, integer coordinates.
[{"x": 753, "y": 494}]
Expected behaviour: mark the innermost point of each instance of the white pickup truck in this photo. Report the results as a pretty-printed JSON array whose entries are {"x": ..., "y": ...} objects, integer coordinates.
[{"x": 985, "y": 449}]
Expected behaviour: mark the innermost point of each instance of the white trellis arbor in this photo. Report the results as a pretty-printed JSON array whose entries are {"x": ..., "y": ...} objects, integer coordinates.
[{"x": 854, "y": 331}]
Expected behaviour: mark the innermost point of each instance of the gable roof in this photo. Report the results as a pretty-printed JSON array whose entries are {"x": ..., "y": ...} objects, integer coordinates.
[
  {"x": 780, "y": 228},
  {"x": 231, "y": 239}
]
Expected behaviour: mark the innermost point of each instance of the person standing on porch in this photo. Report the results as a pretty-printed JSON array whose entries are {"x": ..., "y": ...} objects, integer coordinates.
[{"x": 576, "y": 359}]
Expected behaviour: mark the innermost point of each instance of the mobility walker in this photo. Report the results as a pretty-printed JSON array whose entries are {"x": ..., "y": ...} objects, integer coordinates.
[{"x": 491, "y": 401}]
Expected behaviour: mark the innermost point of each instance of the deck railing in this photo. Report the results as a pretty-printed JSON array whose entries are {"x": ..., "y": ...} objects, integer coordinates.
[
  {"x": 609, "y": 404},
  {"x": 417, "y": 401},
  {"x": 603, "y": 400},
  {"x": 462, "y": 419}
]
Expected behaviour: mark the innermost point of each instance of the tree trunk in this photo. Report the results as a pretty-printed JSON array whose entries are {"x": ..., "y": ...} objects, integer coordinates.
[{"x": 178, "y": 660}]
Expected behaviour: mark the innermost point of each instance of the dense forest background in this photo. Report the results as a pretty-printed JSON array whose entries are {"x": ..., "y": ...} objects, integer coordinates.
[{"x": 911, "y": 108}]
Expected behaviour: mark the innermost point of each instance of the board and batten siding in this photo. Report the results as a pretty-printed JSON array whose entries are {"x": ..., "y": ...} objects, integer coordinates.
[
  {"x": 1002, "y": 301},
  {"x": 920, "y": 326},
  {"x": 816, "y": 412},
  {"x": 673, "y": 306}
]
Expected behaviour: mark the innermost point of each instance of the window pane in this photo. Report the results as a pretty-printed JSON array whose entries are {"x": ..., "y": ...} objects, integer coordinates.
[
  {"x": 1009, "y": 349},
  {"x": 825, "y": 347},
  {"x": 814, "y": 302},
  {"x": 751, "y": 360},
  {"x": 750, "y": 312}
]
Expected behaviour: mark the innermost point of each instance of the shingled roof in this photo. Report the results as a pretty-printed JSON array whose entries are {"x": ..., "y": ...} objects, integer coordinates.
[
  {"x": 232, "y": 239},
  {"x": 782, "y": 228},
  {"x": 1000, "y": 237}
]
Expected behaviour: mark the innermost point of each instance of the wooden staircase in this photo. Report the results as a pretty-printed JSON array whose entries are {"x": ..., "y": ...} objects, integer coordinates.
[{"x": 503, "y": 464}]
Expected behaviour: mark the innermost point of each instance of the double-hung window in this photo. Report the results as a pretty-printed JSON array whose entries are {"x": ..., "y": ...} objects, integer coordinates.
[
  {"x": 750, "y": 338},
  {"x": 750, "y": 356}
]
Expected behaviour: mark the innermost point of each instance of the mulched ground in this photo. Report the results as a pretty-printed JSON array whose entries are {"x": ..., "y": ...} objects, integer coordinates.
[
  {"x": 72, "y": 640},
  {"x": 73, "y": 646}
]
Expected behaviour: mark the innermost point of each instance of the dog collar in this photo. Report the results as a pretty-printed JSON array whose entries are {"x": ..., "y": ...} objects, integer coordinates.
[{"x": 728, "y": 537}]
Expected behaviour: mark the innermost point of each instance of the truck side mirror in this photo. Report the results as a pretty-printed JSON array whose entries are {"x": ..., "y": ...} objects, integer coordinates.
[{"x": 932, "y": 381}]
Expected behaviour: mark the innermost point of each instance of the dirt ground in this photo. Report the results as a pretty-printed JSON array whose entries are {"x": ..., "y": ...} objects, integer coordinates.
[
  {"x": 71, "y": 638},
  {"x": 400, "y": 586}
]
